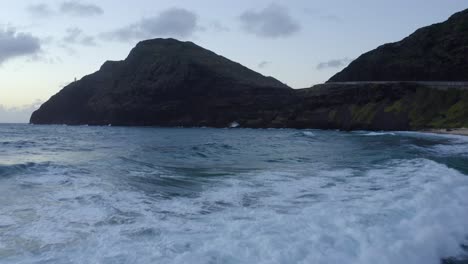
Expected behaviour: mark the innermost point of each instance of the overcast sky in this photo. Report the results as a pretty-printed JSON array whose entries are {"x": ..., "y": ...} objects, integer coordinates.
[{"x": 44, "y": 45}]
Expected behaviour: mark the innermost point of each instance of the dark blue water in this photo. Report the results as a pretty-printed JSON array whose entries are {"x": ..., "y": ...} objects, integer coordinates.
[{"x": 151, "y": 195}]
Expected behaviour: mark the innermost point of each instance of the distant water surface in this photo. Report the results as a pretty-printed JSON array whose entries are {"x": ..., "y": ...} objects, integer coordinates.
[{"x": 153, "y": 195}]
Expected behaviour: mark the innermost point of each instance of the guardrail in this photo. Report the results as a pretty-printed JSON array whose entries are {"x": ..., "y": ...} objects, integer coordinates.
[
  {"x": 425, "y": 83},
  {"x": 415, "y": 82}
]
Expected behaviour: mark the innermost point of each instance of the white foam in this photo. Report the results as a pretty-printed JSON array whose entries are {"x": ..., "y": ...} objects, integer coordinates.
[
  {"x": 405, "y": 211},
  {"x": 308, "y": 133},
  {"x": 380, "y": 134}
]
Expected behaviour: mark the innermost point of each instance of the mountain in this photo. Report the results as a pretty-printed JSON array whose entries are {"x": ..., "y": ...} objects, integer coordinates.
[
  {"x": 435, "y": 53},
  {"x": 165, "y": 82},
  {"x": 169, "y": 83}
]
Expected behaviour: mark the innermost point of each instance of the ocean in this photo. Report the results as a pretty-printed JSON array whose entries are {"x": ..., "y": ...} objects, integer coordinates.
[{"x": 159, "y": 195}]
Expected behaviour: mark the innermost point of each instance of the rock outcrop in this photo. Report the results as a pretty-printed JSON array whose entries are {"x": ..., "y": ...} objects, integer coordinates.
[{"x": 435, "y": 53}]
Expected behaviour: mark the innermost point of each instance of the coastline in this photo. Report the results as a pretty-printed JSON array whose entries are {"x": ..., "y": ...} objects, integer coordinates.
[{"x": 446, "y": 131}]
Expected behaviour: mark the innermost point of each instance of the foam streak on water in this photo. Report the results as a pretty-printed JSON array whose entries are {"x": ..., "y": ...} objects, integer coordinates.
[{"x": 148, "y": 195}]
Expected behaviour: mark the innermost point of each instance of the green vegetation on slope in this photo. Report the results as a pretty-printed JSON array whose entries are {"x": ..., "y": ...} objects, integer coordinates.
[
  {"x": 432, "y": 108},
  {"x": 385, "y": 106},
  {"x": 363, "y": 114}
]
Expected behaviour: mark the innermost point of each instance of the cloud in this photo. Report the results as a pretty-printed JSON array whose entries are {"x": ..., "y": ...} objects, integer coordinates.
[
  {"x": 40, "y": 10},
  {"x": 15, "y": 44},
  {"x": 75, "y": 35},
  {"x": 18, "y": 114},
  {"x": 272, "y": 22},
  {"x": 77, "y": 8},
  {"x": 338, "y": 63},
  {"x": 72, "y": 8},
  {"x": 263, "y": 64},
  {"x": 174, "y": 22}
]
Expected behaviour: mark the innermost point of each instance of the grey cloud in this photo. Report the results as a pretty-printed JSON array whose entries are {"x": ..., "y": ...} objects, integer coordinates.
[
  {"x": 40, "y": 10},
  {"x": 77, "y": 36},
  {"x": 15, "y": 44},
  {"x": 338, "y": 63},
  {"x": 77, "y": 8},
  {"x": 263, "y": 64},
  {"x": 272, "y": 22},
  {"x": 174, "y": 22},
  {"x": 18, "y": 114},
  {"x": 73, "y": 8}
]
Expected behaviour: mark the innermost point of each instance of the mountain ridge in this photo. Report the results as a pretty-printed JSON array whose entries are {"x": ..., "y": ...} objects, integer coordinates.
[
  {"x": 438, "y": 52},
  {"x": 166, "y": 82}
]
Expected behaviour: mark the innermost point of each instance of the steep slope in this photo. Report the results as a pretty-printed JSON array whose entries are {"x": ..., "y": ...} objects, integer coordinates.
[
  {"x": 434, "y": 53},
  {"x": 165, "y": 82},
  {"x": 380, "y": 106}
]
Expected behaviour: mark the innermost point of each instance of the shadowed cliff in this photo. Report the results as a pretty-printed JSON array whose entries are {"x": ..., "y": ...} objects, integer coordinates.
[
  {"x": 381, "y": 106},
  {"x": 435, "y": 53}
]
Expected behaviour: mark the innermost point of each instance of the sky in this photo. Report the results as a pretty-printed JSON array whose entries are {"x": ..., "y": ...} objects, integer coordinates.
[{"x": 44, "y": 45}]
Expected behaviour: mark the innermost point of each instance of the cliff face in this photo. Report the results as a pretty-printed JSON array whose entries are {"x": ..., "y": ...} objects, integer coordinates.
[
  {"x": 434, "y": 53},
  {"x": 380, "y": 106},
  {"x": 169, "y": 83}
]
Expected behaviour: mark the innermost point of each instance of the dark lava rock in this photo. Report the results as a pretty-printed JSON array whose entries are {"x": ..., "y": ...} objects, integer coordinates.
[
  {"x": 434, "y": 53},
  {"x": 166, "y": 82}
]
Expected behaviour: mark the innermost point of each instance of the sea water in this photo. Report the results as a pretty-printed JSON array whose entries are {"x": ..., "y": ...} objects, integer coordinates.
[{"x": 155, "y": 195}]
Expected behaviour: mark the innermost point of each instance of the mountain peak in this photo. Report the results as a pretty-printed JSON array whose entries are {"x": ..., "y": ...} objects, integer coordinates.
[
  {"x": 187, "y": 56},
  {"x": 163, "y": 81}
]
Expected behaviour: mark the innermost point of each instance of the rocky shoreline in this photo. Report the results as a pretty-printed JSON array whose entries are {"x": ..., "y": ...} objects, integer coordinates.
[{"x": 448, "y": 131}]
